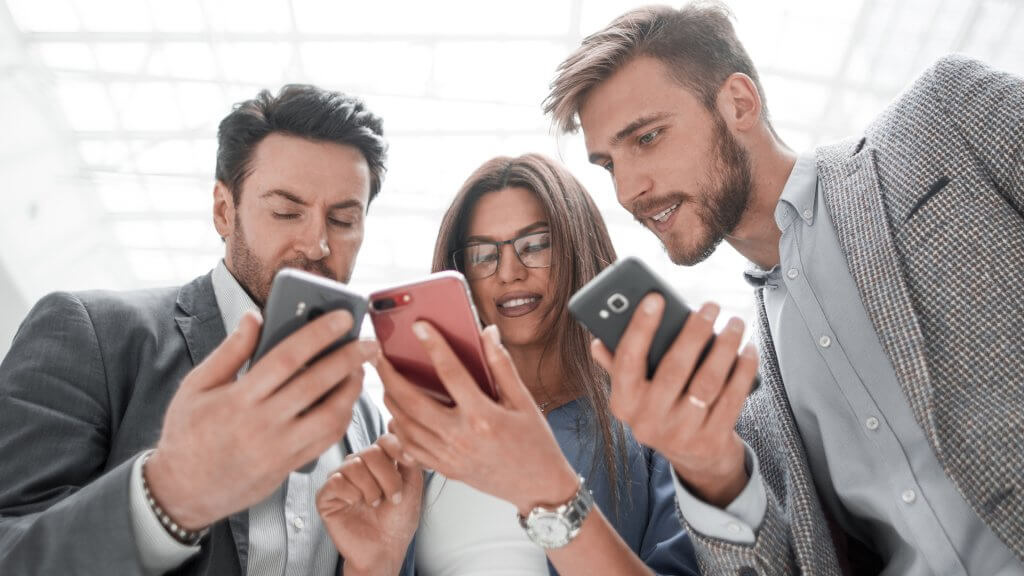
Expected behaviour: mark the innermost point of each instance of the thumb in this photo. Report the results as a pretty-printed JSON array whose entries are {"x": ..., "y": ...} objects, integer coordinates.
[
  {"x": 223, "y": 364},
  {"x": 511, "y": 390}
]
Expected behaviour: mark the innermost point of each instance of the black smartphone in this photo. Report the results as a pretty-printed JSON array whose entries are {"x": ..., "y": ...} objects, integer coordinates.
[
  {"x": 606, "y": 304},
  {"x": 297, "y": 298}
]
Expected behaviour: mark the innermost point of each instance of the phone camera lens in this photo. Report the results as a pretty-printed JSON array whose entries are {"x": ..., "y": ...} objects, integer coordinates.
[
  {"x": 384, "y": 304},
  {"x": 618, "y": 303}
]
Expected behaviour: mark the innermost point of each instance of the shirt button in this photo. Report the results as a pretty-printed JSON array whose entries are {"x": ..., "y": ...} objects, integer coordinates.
[
  {"x": 871, "y": 423},
  {"x": 298, "y": 523},
  {"x": 793, "y": 273},
  {"x": 825, "y": 341},
  {"x": 733, "y": 527},
  {"x": 908, "y": 496},
  {"x": 808, "y": 214}
]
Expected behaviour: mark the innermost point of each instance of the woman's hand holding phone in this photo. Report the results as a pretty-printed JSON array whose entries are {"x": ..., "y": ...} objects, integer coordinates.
[
  {"x": 371, "y": 507},
  {"x": 498, "y": 447},
  {"x": 688, "y": 410}
]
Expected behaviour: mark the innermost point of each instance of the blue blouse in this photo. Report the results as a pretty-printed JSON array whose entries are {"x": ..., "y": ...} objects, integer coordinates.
[{"x": 646, "y": 518}]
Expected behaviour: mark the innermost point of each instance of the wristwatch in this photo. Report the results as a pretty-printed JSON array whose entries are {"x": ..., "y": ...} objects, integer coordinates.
[{"x": 552, "y": 528}]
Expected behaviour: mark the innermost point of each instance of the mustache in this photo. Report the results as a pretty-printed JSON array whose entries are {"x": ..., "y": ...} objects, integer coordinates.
[
  {"x": 645, "y": 206},
  {"x": 318, "y": 267}
]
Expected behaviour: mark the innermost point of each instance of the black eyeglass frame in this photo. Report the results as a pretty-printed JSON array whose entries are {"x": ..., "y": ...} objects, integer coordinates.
[{"x": 498, "y": 245}]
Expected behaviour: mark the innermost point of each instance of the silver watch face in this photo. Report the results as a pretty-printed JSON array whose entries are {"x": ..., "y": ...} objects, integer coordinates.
[{"x": 549, "y": 529}]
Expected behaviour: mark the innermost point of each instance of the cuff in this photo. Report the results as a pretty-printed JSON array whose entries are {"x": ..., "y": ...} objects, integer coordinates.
[
  {"x": 739, "y": 521},
  {"x": 158, "y": 550}
]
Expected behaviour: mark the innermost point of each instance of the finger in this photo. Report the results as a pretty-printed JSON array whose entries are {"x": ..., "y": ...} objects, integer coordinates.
[
  {"x": 411, "y": 399},
  {"x": 301, "y": 392},
  {"x": 336, "y": 493},
  {"x": 392, "y": 446},
  {"x": 460, "y": 384},
  {"x": 384, "y": 470},
  {"x": 730, "y": 402},
  {"x": 629, "y": 365},
  {"x": 418, "y": 441},
  {"x": 511, "y": 389},
  {"x": 278, "y": 365},
  {"x": 713, "y": 372},
  {"x": 223, "y": 364},
  {"x": 679, "y": 362},
  {"x": 358, "y": 473},
  {"x": 601, "y": 355},
  {"x": 325, "y": 423}
]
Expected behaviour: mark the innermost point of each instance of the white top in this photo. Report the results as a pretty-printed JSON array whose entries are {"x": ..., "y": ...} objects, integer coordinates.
[{"x": 464, "y": 532}]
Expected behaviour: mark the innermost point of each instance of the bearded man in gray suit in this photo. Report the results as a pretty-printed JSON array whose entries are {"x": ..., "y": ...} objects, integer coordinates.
[
  {"x": 95, "y": 380},
  {"x": 888, "y": 433}
]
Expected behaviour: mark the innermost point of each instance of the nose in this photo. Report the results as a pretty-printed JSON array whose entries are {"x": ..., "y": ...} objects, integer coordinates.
[
  {"x": 510, "y": 268},
  {"x": 313, "y": 243},
  {"x": 630, "y": 184}
]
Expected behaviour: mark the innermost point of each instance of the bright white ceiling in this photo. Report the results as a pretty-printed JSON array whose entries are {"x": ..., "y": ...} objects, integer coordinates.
[{"x": 113, "y": 106}]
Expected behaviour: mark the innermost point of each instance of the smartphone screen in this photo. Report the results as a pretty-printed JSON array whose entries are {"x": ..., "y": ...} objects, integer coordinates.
[{"x": 443, "y": 300}]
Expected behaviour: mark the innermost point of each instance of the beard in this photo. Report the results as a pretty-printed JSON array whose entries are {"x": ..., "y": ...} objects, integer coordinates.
[
  {"x": 256, "y": 276},
  {"x": 720, "y": 203}
]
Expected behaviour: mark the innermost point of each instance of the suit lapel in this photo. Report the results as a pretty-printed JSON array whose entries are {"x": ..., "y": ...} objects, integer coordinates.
[
  {"x": 202, "y": 326},
  {"x": 853, "y": 195}
]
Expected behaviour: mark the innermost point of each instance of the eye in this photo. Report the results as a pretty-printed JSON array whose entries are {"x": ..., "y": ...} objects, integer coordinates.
[
  {"x": 609, "y": 166},
  {"x": 285, "y": 216},
  {"x": 340, "y": 223},
  {"x": 649, "y": 137}
]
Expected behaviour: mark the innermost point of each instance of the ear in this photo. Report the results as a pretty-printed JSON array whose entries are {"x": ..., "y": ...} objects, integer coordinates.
[
  {"x": 223, "y": 210},
  {"x": 739, "y": 103}
]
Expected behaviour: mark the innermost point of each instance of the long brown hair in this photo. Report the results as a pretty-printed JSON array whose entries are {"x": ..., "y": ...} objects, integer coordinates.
[{"x": 581, "y": 248}]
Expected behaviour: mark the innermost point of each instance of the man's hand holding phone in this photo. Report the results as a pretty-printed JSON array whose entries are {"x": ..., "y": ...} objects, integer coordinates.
[
  {"x": 688, "y": 410},
  {"x": 227, "y": 443}
]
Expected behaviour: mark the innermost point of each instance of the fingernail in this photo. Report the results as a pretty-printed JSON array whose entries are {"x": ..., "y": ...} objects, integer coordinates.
[
  {"x": 709, "y": 311},
  {"x": 408, "y": 458},
  {"x": 376, "y": 503},
  {"x": 734, "y": 325},
  {"x": 340, "y": 321},
  {"x": 420, "y": 330},
  {"x": 492, "y": 333},
  {"x": 652, "y": 303},
  {"x": 397, "y": 498}
]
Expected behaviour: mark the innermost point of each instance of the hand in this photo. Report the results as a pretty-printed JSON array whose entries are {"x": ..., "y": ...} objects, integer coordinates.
[
  {"x": 227, "y": 444},
  {"x": 371, "y": 507},
  {"x": 687, "y": 413},
  {"x": 501, "y": 448}
]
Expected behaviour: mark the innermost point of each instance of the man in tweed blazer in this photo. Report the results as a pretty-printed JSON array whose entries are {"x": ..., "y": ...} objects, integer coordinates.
[{"x": 888, "y": 433}]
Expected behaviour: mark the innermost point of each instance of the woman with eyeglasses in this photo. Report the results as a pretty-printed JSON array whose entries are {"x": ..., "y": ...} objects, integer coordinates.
[{"x": 545, "y": 479}]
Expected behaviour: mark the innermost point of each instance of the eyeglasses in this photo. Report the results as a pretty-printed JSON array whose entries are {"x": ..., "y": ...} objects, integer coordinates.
[{"x": 480, "y": 259}]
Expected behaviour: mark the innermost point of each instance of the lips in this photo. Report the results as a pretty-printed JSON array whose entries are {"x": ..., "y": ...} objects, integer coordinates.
[
  {"x": 516, "y": 304},
  {"x": 661, "y": 220}
]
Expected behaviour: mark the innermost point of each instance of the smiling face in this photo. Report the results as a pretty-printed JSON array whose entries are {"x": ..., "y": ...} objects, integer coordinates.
[
  {"x": 675, "y": 165},
  {"x": 302, "y": 206},
  {"x": 515, "y": 298}
]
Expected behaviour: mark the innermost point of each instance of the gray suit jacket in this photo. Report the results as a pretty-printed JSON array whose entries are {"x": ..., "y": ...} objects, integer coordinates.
[
  {"x": 83, "y": 390},
  {"x": 928, "y": 210}
]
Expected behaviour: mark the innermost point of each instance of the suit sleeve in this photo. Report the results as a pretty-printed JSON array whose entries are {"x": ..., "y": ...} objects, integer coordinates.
[
  {"x": 987, "y": 105},
  {"x": 59, "y": 511}
]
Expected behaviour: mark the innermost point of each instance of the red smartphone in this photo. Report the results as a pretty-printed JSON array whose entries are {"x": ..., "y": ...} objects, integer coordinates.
[{"x": 443, "y": 300}]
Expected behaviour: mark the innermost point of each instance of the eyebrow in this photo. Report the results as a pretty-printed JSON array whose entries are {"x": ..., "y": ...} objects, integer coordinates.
[
  {"x": 292, "y": 197},
  {"x": 628, "y": 131},
  {"x": 520, "y": 232}
]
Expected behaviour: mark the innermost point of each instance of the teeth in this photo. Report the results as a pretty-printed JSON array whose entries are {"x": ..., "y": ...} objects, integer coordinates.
[
  {"x": 518, "y": 302},
  {"x": 661, "y": 216}
]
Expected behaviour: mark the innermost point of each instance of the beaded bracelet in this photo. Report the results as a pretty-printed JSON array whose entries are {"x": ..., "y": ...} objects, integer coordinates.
[{"x": 186, "y": 537}]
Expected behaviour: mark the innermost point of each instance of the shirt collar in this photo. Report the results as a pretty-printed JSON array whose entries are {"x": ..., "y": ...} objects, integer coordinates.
[
  {"x": 799, "y": 195},
  {"x": 232, "y": 299}
]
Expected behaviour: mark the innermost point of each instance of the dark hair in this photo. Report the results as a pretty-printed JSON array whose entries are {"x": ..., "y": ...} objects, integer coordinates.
[
  {"x": 697, "y": 43},
  {"x": 304, "y": 111},
  {"x": 582, "y": 248}
]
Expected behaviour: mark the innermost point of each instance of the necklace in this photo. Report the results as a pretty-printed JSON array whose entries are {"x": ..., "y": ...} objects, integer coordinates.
[{"x": 543, "y": 405}]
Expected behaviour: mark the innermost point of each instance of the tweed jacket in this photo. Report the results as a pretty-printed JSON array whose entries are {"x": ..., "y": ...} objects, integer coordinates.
[{"x": 927, "y": 206}]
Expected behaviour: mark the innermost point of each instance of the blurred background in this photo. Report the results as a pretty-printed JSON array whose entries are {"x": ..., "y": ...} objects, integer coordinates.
[{"x": 109, "y": 110}]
